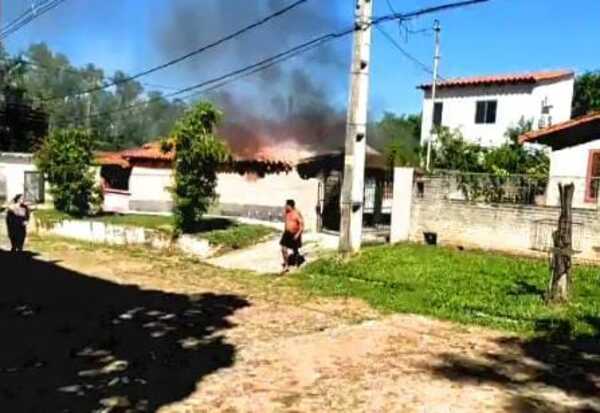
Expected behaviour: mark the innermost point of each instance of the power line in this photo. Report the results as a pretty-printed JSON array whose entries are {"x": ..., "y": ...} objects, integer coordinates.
[
  {"x": 423, "y": 66},
  {"x": 80, "y": 73},
  {"x": 220, "y": 81},
  {"x": 27, "y": 17},
  {"x": 288, "y": 54},
  {"x": 193, "y": 53}
]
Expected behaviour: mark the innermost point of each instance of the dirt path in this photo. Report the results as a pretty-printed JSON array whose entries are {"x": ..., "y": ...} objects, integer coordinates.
[
  {"x": 265, "y": 257},
  {"x": 301, "y": 354}
]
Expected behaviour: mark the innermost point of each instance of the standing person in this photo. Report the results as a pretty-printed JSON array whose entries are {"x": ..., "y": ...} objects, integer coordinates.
[
  {"x": 17, "y": 217},
  {"x": 292, "y": 235}
]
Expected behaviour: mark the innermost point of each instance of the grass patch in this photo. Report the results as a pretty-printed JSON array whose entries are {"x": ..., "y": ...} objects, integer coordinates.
[
  {"x": 227, "y": 233},
  {"x": 237, "y": 236},
  {"x": 466, "y": 286}
]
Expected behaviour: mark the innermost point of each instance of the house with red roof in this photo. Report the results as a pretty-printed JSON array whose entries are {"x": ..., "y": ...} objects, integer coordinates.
[
  {"x": 575, "y": 158},
  {"x": 253, "y": 185},
  {"x": 484, "y": 107}
]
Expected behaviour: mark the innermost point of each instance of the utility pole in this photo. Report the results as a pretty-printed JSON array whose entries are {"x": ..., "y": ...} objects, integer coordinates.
[
  {"x": 352, "y": 196},
  {"x": 436, "y": 65}
]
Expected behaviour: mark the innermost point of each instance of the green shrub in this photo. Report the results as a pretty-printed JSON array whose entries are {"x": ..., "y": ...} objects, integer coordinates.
[
  {"x": 198, "y": 155},
  {"x": 65, "y": 159}
]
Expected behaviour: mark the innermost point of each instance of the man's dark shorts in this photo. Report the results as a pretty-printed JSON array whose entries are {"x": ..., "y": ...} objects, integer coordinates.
[{"x": 288, "y": 240}]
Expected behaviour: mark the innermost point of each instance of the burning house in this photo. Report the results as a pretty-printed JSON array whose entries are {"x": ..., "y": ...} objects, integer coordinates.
[{"x": 250, "y": 185}]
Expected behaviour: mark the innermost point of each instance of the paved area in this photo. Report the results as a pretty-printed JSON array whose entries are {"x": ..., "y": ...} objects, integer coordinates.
[{"x": 265, "y": 258}]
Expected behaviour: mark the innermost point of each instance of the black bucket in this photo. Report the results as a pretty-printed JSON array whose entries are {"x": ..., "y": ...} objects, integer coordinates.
[{"x": 430, "y": 238}]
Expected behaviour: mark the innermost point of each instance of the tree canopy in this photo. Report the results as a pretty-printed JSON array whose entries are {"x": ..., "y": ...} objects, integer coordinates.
[
  {"x": 399, "y": 136},
  {"x": 122, "y": 116},
  {"x": 66, "y": 160},
  {"x": 454, "y": 153},
  {"x": 198, "y": 154},
  {"x": 587, "y": 93}
]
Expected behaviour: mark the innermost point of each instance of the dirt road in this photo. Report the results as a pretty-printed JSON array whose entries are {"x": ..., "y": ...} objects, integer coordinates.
[{"x": 282, "y": 351}]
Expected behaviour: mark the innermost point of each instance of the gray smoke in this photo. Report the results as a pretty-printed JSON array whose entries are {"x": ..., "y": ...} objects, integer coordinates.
[{"x": 295, "y": 101}]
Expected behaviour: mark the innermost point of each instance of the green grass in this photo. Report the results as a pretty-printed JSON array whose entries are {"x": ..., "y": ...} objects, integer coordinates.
[
  {"x": 226, "y": 233},
  {"x": 237, "y": 236},
  {"x": 471, "y": 287}
]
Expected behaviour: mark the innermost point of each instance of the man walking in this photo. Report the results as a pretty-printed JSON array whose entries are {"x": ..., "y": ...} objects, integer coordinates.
[{"x": 292, "y": 235}]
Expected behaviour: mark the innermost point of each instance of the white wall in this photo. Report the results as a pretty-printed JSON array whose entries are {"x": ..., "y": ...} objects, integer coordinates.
[
  {"x": 570, "y": 165},
  {"x": 271, "y": 191},
  {"x": 514, "y": 102},
  {"x": 150, "y": 184},
  {"x": 12, "y": 168}
]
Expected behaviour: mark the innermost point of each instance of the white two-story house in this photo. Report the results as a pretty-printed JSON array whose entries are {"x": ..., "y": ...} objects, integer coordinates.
[{"x": 483, "y": 107}]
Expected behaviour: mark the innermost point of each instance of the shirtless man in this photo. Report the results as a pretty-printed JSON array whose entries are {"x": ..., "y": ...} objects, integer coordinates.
[{"x": 292, "y": 236}]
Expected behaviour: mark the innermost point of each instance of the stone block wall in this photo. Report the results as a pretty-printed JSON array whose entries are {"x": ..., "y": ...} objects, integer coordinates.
[{"x": 521, "y": 229}]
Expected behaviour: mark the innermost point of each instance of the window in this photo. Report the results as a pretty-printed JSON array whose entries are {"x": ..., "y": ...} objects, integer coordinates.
[
  {"x": 437, "y": 114},
  {"x": 34, "y": 187},
  {"x": 486, "y": 111},
  {"x": 593, "y": 176}
]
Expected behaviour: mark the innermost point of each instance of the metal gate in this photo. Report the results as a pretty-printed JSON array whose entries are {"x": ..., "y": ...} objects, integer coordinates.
[{"x": 377, "y": 202}]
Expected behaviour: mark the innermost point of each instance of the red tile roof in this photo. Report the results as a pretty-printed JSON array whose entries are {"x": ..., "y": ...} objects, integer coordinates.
[
  {"x": 580, "y": 121},
  {"x": 278, "y": 160},
  {"x": 149, "y": 151},
  {"x": 515, "y": 78},
  {"x": 111, "y": 158}
]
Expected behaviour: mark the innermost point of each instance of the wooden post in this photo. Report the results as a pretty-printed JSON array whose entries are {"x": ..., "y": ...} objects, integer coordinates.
[{"x": 563, "y": 247}]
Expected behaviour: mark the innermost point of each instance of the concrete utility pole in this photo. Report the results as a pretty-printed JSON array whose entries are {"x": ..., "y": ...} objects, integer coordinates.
[
  {"x": 436, "y": 65},
  {"x": 352, "y": 197}
]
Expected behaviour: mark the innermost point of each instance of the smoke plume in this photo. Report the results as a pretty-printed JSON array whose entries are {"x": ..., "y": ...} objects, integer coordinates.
[{"x": 294, "y": 102}]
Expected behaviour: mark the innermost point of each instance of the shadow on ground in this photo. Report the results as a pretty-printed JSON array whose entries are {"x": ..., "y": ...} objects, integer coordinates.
[
  {"x": 74, "y": 343},
  {"x": 556, "y": 359}
]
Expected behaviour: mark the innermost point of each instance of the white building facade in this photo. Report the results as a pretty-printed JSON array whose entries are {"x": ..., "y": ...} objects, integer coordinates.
[
  {"x": 483, "y": 108},
  {"x": 18, "y": 176},
  {"x": 575, "y": 158}
]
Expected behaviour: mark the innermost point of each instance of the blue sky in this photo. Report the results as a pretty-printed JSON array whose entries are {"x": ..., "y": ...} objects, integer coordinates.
[{"x": 495, "y": 37}]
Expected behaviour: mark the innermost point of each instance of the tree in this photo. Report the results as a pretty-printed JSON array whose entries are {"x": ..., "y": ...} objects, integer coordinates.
[
  {"x": 587, "y": 93},
  {"x": 452, "y": 152},
  {"x": 558, "y": 290},
  {"x": 198, "y": 155},
  {"x": 400, "y": 137},
  {"x": 66, "y": 161},
  {"x": 515, "y": 158},
  {"x": 123, "y": 116}
]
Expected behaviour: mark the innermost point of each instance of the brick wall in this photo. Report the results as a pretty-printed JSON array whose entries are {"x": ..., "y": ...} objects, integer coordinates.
[{"x": 510, "y": 228}]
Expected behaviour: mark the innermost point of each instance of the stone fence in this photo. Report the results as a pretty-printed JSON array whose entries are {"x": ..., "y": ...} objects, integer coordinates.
[{"x": 421, "y": 207}]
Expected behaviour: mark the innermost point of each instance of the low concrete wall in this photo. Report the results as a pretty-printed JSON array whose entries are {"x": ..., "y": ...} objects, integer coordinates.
[
  {"x": 510, "y": 228},
  {"x": 99, "y": 232}
]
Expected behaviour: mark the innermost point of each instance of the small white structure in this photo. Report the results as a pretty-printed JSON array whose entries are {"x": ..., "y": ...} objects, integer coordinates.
[
  {"x": 483, "y": 108},
  {"x": 402, "y": 204},
  {"x": 15, "y": 170},
  {"x": 575, "y": 158}
]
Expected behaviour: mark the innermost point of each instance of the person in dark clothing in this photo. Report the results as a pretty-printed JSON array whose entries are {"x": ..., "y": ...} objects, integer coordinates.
[
  {"x": 292, "y": 235},
  {"x": 17, "y": 217}
]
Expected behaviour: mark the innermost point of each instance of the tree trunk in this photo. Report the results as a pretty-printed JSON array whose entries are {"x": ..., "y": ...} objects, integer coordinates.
[{"x": 563, "y": 247}]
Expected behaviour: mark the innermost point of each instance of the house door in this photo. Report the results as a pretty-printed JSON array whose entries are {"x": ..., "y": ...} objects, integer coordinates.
[{"x": 330, "y": 191}]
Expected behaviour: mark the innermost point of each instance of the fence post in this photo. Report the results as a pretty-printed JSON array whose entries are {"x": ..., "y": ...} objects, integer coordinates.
[{"x": 402, "y": 204}]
